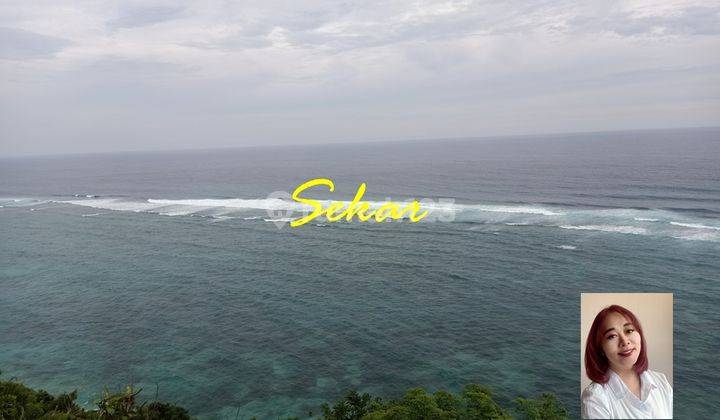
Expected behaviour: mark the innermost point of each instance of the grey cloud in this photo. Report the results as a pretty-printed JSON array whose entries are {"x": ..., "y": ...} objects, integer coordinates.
[
  {"x": 337, "y": 27},
  {"x": 134, "y": 17},
  {"x": 489, "y": 20},
  {"x": 279, "y": 71},
  {"x": 133, "y": 67},
  {"x": 382, "y": 27},
  {"x": 688, "y": 21},
  {"x": 696, "y": 21},
  {"x": 18, "y": 44},
  {"x": 231, "y": 43}
]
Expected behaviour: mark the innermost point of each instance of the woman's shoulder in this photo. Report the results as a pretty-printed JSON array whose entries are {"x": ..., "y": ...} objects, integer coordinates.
[
  {"x": 596, "y": 401},
  {"x": 595, "y": 392},
  {"x": 658, "y": 378}
]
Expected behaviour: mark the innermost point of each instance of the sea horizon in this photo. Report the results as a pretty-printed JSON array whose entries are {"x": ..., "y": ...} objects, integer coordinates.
[{"x": 360, "y": 142}]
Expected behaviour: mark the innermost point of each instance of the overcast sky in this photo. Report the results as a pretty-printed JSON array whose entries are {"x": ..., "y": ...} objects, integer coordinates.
[{"x": 89, "y": 76}]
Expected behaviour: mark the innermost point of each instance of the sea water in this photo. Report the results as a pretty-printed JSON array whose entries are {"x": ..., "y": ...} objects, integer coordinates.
[{"x": 165, "y": 269}]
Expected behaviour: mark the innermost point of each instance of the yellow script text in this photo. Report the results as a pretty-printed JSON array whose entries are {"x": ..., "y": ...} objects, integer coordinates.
[{"x": 337, "y": 210}]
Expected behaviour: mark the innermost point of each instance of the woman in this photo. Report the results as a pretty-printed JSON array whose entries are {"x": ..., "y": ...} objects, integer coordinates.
[{"x": 616, "y": 360}]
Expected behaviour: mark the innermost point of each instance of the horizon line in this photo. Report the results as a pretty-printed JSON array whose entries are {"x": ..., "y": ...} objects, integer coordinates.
[{"x": 346, "y": 143}]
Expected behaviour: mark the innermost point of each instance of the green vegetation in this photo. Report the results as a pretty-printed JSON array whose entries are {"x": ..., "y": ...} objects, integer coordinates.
[
  {"x": 20, "y": 402},
  {"x": 475, "y": 402}
]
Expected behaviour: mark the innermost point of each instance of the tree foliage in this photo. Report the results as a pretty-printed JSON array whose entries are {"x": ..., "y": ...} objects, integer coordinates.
[
  {"x": 20, "y": 402},
  {"x": 474, "y": 402}
]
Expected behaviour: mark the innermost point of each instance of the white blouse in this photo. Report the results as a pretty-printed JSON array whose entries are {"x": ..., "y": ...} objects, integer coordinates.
[{"x": 613, "y": 400}]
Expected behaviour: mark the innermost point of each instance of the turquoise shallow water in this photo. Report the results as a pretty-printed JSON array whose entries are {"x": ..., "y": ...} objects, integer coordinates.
[{"x": 221, "y": 310}]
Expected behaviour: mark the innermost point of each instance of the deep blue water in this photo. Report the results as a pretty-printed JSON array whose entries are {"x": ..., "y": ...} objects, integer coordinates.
[{"x": 223, "y": 310}]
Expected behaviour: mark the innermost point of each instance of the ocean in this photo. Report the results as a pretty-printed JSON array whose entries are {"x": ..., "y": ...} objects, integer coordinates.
[{"x": 165, "y": 269}]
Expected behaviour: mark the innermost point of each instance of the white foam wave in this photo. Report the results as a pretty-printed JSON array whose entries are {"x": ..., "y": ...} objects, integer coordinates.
[
  {"x": 632, "y": 230},
  {"x": 114, "y": 204},
  {"x": 695, "y": 225},
  {"x": 448, "y": 205},
  {"x": 603, "y": 220},
  {"x": 27, "y": 202},
  {"x": 91, "y": 215},
  {"x": 699, "y": 236},
  {"x": 189, "y": 206},
  {"x": 282, "y": 219},
  {"x": 215, "y": 219},
  {"x": 235, "y": 203},
  {"x": 177, "y": 213},
  {"x": 567, "y": 247},
  {"x": 509, "y": 209}
]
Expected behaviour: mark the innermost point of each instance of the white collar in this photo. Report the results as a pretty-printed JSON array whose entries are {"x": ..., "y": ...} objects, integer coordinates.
[{"x": 619, "y": 388}]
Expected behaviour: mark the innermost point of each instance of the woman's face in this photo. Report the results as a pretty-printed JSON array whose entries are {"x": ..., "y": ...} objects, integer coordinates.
[{"x": 620, "y": 341}]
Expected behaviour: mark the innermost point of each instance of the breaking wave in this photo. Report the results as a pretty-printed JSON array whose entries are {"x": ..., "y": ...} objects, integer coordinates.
[
  {"x": 695, "y": 225},
  {"x": 233, "y": 203},
  {"x": 607, "y": 228},
  {"x": 648, "y": 222}
]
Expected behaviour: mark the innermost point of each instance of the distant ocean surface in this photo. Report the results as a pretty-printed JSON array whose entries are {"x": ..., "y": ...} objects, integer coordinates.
[{"x": 164, "y": 269}]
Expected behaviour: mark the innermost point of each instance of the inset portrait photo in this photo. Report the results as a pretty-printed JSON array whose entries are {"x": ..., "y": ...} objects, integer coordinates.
[{"x": 626, "y": 355}]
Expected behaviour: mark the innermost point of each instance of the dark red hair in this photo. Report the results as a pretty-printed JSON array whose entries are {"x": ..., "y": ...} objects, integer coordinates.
[{"x": 596, "y": 363}]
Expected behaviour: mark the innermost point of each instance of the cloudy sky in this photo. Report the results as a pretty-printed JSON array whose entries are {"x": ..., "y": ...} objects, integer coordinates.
[{"x": 92, "y": 76}]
